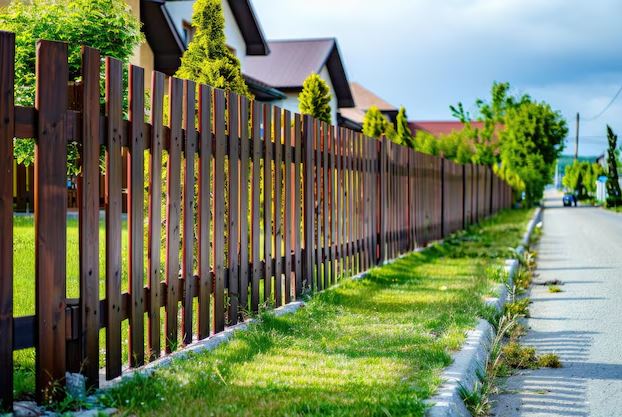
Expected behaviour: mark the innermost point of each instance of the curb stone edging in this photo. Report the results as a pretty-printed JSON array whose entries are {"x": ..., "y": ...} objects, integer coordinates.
[{"x": 476, "y": 348}]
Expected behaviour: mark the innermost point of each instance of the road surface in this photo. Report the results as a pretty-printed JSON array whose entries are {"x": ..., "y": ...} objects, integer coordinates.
[{"x": 582, "y": 247}]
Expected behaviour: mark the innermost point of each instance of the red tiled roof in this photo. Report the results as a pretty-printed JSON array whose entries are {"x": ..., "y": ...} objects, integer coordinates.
[{"x": 440, "y": 127}]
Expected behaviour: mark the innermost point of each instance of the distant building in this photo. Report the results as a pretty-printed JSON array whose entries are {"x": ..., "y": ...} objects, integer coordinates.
[{"x": 353, "y": 117}]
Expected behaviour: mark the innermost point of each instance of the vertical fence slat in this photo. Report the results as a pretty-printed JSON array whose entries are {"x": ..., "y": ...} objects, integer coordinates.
[
  {"x": 287, "y": 221},
  {"x": 338, "y": 205},
  {"x": 155, "y": 212},
  {"x": 308, "y": 200},
  {"x": 89, "y": 215},
  {"x": 219, "y": 211},
  {"x": 325, "y": 198},
  {"x": 173, "y": 212},
  {"x": 244, "y": 194},
  {"x": 114, "y": 79},
  {"x": 297, "y": 202},
  {"x": 351, "y": 214},
  {"x": 333, "y": 205},
  {"x": 256, "y": 206},
  {"x": 7, "y": 130},
  {"x": 317, "y": 133},
  {"x": 267, "y": 200},
  {"x": 135, "y": 181},
  {"x": 204, "y": 215},
  {"x": 277, "y": 230},
  {"x": 233, "y": 232},
  {"x": 189, "y": 104}
]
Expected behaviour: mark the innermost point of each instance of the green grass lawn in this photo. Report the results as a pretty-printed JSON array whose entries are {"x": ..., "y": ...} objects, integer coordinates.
[{"x": 373, "y": 347}]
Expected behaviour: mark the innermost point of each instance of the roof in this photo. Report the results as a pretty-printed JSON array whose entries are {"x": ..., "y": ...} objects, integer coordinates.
[
  {"x": 291, "y": 61},
  {"x": 249, "y": 26},
  {"x": 161, "y": 35},
  {"x": 363, "y": 100},
  {"x": 263, "y": 91},
  {"x": 441, "y": 127}
]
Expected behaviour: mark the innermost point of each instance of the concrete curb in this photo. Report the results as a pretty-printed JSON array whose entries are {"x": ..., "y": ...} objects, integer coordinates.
[{"x": 473, "y": 354}]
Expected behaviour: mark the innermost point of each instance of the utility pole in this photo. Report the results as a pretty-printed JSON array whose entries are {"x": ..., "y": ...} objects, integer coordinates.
[{"x": 576, "y": 145}]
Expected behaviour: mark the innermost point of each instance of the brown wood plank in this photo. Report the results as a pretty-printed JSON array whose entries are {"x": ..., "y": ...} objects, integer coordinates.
[
  {"x": 219, "y": 211},
  {"x": 318, "y": 282},
  {"x": 7, "y": 130},
  {"x": 189, "y": 105},
  {"x": 325, "y": 203},
  {"x": 338, "y": 195},
  {"x": 288, "y": 203},
  {"x": 256, "y": 206},
  {"x": 135, "y": 181},
  {"x": 204, "y": 215},
  {"x": 155, "y": 213},
  {"x": 277, "y": 226},
  {"x": 233, "y": 231},
  {"x": 88, "y": 218},
  {"x": 114, "y": 89},
  {"x": 307, "y": 137},
  {"x": 173, "y": 212},
  {"x": 244, "y": 197},
  {"x": 297, "y": 203},
  {"x": 333, "y": 205},
  {"x": 267, "y": 200}
]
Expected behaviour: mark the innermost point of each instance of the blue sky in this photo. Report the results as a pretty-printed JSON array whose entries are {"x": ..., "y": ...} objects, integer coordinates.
[{"x": 427, "y": 54}]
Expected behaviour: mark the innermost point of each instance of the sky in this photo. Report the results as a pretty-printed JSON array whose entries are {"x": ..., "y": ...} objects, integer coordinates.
[{"x": 428, "y": 54}]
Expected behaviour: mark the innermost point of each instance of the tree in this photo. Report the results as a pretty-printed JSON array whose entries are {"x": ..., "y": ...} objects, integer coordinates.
[
  {"x": 107, "y": 25},
  {"x": 208, "y": 60},
  {"x": 614, "y": 195},
  {"x": 403, "y": 135},
  {"x": 581, "y": 177},
  {"x": 375, "y": 124},
  {"x": 530, "y": 144},
  {"x": 315, "y": 97}
]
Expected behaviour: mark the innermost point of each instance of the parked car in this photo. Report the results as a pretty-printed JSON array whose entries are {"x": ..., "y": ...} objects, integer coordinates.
[{"x": 569, "y": 200}]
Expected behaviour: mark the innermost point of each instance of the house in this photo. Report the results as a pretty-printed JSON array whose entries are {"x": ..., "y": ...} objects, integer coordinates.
[
  {"x": 290, "y": 62},
  {"x": 353, "y": 117},
  {"x": 273, "y": 70}
]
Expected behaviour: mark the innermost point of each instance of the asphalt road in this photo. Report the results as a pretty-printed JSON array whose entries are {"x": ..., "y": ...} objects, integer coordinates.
[{"x": 582, "y": 247}]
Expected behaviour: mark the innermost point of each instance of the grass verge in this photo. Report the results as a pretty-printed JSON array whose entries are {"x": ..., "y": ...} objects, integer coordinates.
[{"x": 373, "y": 347}]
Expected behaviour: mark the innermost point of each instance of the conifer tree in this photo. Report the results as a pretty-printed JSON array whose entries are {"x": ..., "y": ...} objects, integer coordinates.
[
  {"x": 375, "y": 124},
  {"x": 314, "y": 99},
  {"x": 404, "y": 135},
  {"x": 208, "y": 60},
  {"x": 614, "y": 195}
]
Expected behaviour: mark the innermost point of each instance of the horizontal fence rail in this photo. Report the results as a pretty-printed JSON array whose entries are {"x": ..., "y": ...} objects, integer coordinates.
[{"x": 232, "y": 205}]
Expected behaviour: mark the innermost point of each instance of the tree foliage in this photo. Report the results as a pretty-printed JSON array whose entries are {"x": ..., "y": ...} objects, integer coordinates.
[
  {"x": 375, "y": 124},
  {"x": 520, "y": 137},
  {"x": 208, "y": 60},
  {"x": 107, "y": 25},
  {"x": 315, "y": 97},
  {"x": 530, "y": 143},
  {"x": 614, "y": 195},
  {"x": 581, "y": 176},
  {"x": 403, "y": 134}
]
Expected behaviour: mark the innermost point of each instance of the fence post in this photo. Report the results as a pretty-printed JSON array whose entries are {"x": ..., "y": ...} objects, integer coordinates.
[
  {"x": 89, "y": 216},
  {"x": 383, "y": 199},
  {"x": 50, "y": 215},
  {"x": 7, "y": 131},
  {"x": 307, "y": 137}
]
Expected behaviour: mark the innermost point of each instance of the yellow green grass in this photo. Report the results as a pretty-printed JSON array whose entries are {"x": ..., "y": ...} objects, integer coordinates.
[{"x": 372, "y": 347}]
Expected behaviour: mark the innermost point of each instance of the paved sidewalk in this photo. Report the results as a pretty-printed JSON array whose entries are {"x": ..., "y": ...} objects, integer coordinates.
[{"x": 582, "y": 247}]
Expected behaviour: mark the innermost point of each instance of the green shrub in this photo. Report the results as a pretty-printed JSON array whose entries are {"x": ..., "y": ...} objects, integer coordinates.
[
  {"x": 518, "y": 308},
  {"x": 315, "y": 97},
  {"x": 519, "y": 357},
  {"x": 549, "y": 360}
]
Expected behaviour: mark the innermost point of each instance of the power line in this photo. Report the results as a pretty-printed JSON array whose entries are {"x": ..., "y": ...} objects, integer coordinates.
[{"x": 590, "y": 119}]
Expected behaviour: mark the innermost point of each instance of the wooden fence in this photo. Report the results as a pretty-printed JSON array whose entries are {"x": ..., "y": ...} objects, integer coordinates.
[{"x": 260, "y": 206}]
